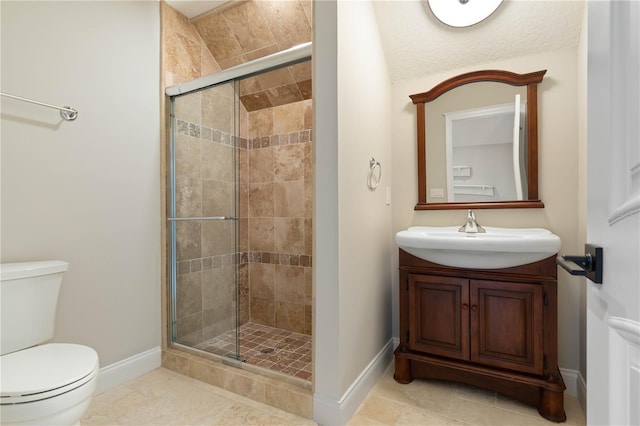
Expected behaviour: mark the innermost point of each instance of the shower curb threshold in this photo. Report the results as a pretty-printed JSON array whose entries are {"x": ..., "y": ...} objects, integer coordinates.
[{"x": 278, "y": 390}]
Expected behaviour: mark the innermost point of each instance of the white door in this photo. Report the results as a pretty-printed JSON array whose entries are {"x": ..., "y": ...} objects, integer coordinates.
[{"x": 613, "y": 212}]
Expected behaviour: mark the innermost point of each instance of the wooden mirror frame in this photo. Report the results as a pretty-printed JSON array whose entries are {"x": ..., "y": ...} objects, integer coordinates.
[{"x": 530, "y": 80}]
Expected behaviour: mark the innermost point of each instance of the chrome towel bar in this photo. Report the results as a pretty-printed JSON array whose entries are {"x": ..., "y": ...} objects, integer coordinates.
[{"x": 66, "y": 112}]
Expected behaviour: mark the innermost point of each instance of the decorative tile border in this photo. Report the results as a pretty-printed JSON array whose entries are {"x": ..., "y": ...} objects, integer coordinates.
[
  {"x": 214, "y": 262},
  {"x": 205, "y": 263},
  {"x": 303, "y": 260},
  {"x": 292, "y": 138},
  {"x": 206, "y": 133}
]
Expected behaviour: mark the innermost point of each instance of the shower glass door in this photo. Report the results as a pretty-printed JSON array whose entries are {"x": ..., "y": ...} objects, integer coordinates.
[{"x": 203, "y": 219}]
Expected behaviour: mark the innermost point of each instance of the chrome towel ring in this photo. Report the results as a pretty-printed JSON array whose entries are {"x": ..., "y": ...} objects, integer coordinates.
[{"x": 375, "y": 173}]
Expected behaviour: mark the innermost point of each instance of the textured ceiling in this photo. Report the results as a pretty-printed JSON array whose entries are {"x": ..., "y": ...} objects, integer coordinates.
[{"x": 416, "y": 43}]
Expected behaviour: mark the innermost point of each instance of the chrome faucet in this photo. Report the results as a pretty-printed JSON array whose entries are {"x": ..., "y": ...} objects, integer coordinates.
[{"x": 471, "y": 226}]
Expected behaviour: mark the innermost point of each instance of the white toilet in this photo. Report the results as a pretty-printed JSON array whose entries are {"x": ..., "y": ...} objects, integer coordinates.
[{"x": 40, "y": 384}]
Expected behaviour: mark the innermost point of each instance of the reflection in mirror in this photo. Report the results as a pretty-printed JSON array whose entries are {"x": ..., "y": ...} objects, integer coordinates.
[
  {"x": 477, "y": 143},
  {"x": 471, "y": 144}
]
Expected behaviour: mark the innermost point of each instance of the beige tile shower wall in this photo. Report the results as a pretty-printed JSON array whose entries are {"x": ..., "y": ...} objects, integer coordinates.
[
  {"x": 184, "y": 58},
  {"x": 205, "y": 153},
  {"x": 252, "y": 29},
  {"x": 185, "y": 55},
  {"x": 277, "y": 211},
  {"x": 205, "y": 300}
]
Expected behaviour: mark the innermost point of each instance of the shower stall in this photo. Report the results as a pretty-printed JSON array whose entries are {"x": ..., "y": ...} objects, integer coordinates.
[{"x": 240, "y": 213}]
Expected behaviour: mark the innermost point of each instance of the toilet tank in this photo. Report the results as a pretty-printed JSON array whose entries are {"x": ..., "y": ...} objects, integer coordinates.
[{"x": 28, "y": 301}]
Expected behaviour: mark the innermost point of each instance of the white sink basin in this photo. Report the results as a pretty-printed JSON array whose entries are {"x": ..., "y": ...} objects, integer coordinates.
[{"x": 496, "y": 248}]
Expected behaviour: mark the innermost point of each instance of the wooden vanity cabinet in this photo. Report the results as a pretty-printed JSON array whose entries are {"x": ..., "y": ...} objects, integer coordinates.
[{"x": 495, "y": 329}]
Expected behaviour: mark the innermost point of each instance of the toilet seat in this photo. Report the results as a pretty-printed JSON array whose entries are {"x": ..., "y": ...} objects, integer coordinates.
[{"x": 45, "y": 371}]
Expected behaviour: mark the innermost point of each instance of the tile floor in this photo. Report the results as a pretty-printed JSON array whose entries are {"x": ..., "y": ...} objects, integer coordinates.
[
  {"x": 163, "y": 397},
  {"x": 431, "y": 402},
  {"x": 263, "y": 346}
]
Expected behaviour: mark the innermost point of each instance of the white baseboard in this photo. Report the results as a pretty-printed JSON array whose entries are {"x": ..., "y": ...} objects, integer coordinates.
[
  {"x": 582, "y": 393},
  {"x": 327, "y": 411},
  {"x": 117, "y": 373},
  {"x": 570, "y": 378},
  {"x": 576, "y": 386}
]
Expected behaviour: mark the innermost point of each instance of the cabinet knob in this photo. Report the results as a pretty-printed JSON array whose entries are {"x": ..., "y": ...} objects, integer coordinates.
[
  {"x": 465, "y": 306},
  {"x": 474, "y": 307}
]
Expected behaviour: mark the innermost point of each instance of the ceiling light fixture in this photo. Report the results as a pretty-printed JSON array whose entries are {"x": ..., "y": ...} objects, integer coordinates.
[{"x": 463, "y": 13}]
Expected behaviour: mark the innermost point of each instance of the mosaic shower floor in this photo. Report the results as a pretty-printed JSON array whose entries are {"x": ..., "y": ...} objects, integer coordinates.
[{"x": 267, "y": 347}]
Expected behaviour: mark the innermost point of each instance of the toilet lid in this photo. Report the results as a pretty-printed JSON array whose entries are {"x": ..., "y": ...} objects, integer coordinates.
[{"x": 45, "y": 371}]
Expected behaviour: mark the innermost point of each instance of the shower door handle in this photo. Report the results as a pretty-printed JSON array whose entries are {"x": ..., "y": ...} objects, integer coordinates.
[{"x": 174, "y": 219}]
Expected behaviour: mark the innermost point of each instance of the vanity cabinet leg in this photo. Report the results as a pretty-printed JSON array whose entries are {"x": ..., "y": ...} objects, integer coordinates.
[
  {"x": 552, "y": 405},
  {"x": 403, "y": 370}
]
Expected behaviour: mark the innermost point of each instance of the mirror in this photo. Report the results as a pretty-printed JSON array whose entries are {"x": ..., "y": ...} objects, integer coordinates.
[{"x": 478, "y": 144}]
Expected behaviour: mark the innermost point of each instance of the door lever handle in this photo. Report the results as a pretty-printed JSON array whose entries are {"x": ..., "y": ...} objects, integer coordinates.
[{"x": 589, "y": 265}]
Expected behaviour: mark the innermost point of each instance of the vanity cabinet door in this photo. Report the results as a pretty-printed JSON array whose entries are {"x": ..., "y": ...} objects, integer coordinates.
[
  {"x": 439, "y": 315},
  {"x": 507, "y": 325}
]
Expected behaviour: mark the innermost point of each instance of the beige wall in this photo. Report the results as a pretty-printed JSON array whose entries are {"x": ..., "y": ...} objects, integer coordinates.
[
  {"x": 352, "y": 269},
  {"x": 86, "y": 191},
  {"x": 558, "y": 170},
  {"x": 364, "y": 217}
]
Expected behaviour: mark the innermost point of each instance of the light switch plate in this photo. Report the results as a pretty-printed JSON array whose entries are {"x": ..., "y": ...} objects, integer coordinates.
[{"x": 437, "y": 192}]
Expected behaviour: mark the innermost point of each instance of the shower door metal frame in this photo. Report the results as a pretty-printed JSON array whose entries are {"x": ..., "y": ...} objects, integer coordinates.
[
  {"x": 291, "y": 56},
  {"x": 172, "y": 219}
]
